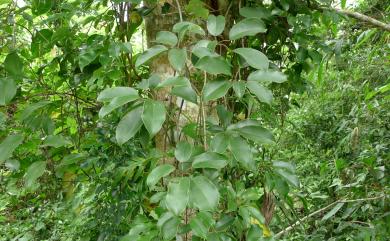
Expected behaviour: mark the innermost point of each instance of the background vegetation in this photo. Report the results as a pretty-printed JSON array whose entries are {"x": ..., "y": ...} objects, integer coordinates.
[{"x": 94, "y": 147}]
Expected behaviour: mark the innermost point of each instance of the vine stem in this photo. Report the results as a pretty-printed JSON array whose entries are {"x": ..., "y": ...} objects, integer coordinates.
[
  {"x": 203, "y": 114},
  {"x": 286, "y": 230},
  {"x": 179, "y": 9}
]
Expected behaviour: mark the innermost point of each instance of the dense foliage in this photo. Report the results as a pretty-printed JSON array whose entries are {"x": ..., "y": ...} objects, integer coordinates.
[{"x": 193, "y": 120}]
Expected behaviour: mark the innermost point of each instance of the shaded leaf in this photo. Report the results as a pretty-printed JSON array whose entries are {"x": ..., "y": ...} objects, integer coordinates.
[
  {"x": 253, "y": 57},
  {"x": 332, "y": 212},
  {"x": 215, "y": 90},
  {"x": 177, "y": 58},
  {"x": 117, "y": 92},
  {"x": 149, "y": 54},
  {"x": 247, "y": 27},
  {"x": 215, "y": 25},
  {"x": 129, "y": 125},
  {"x": 183, "y": 151},
  {"x": 8, "y": 145},
  {"x": 167, "y": 38},
  {"x": 262, "y": 93},
  {"x": 13, "y": 65},
  {"x": 242, "y": 153},
  {"x": 214, "y": 65},
  {"x": 7, "y": 90},
  {"x": 153, "y": 116},
  {"x": 267, "y": 76},
  {"x": 178, "y": 195},
  {"x": 209, "y": 160},
  {"x": 204, "y": 194},
  {"x": 185, "y": 92},
  {"x": 157, "y": 173},
  {"x": 34, "y": 171}
]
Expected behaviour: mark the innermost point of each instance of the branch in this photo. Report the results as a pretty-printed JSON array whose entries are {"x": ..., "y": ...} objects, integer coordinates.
[
  {"x": 362, "y": 17},
  {"x": 286, "y": 230}
]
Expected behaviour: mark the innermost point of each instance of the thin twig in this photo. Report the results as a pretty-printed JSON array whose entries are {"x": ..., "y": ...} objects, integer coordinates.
[{"x": 286, "y": 230}]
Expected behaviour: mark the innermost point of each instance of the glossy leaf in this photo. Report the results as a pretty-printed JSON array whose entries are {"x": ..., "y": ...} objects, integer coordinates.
[
  {"x": 149, "y": 54},
  {"x": 183, "y": 151},
  {"x": 201, "y": 224},
  {"x": 117, "y": 92},
  {"x": 183, "y": 28},
  {"x": 219, "y": 143},
  {"x": 215, "y": 25},
  {"x": 157, "y": 173},
  {"x": 185, "y": 92},
  {"x": 209, "y": 160},
  {"x": 8, "y": 145},
  {"x": 153, "y": 116},
  {"x": 253, "y": 130},
  {"x": 168, "y": 225},
  {"x": 253, "y": 57},
  {"x": 129, "y": 125},
  {"x": 116, "y": 103},
  {"x": 204, "y": 194},
  {"x": 267, "y": 76},
  {"x": 262, "y": 93},
  {"x": 214, "y": 65},
  {"x": 177, "y": 58},
  {"x": 167, "y": 38},
  {"x": 242, "y": 153},
  {"x": 39, "y": 7},
  {"x": 178, "y": 195},
  {"x": 215, "y": 90},
  {"x": 255, "y": 12},
  {"x": 239, "y": 88},
  {"x": 247, "y": 27}
]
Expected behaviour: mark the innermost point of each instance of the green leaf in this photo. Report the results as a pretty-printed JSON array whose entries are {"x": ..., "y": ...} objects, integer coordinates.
[
  {"x": 153, "y": 116},
  {"x": 177, "y": 197},
  {"x": 182, "y": 28},
  {"x": 56, "y": 141},
  {"x": 261, "y": 92},
  {"x": 267, "y": 76},
  {"x": 41, "y": 42},
  {"x": 176, "y": 81},
  {"x": 242, "y": 153},
  {"x": 116, "y": 103},
  {"x": 254, "y": 233},
  {"x": 7, "y": 90},
  {"x": 239, "y": 88},
  {"x": 201, "y": 224},
  {"x": 167, "y": 38},
  {"x": 129, "y": 125},
  {"x": 332, "y": 212},
  {"x": 9, "y": 144},
  {"x": 215, "y": 90},
  {"x": 204, "y": 194},
  {"x": 34, "y": 171},
  {"x": 149, "y": 54},
  {"x": 39, "y": 7},
  {"x": 177, "y": 58},
  {"x": 247, "y": 27},
  {"x": 214, "y": 65},
  {"x": 31, "y": 108},
  {"x": 116, "y": 92},
  {"x": 256, "y": 214},
  {"x": 86, "y": 57},
  {"x": 168, "y": 225},
  {"x": 157, "y": 173},
  {"x": 183, "y": 151},
  {"x": 258, "y": 12},
  {"x": 197, "y": 9},
  {"x": 13, "y": 65},
  {"x": 252, "y": 130},
  {"x": 219, "y": 143},
  {"x": 290, "y": 177},
  {"x": 185, "y": 92},
  {"x": 215, "y": 25},
  {"x": 253, "y": 57},
  {"x": 209, "y": 160}
]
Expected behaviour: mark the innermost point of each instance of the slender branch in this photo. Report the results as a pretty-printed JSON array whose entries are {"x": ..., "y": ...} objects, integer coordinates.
[
  {"x": 361, "y": 17},
  {"x": 286, "y": 230},
  {"x": 179, "y": 9}
]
